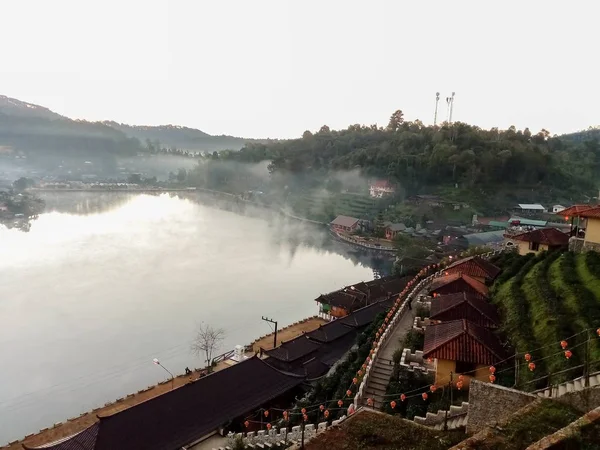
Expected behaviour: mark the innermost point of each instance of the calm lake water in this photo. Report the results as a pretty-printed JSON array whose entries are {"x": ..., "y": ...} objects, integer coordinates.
[{"x": 105, "y": 282}]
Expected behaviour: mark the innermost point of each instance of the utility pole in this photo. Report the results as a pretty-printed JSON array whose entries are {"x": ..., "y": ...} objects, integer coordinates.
[
  {"x": 516, "y": 369},
  {"x": 451, "y": 106},
  {"x": 266, "y": 319},
  {"x": 446, "y": 415},
  {"x": 586, "y": 360},
  {"x": 437, "y": 100}
]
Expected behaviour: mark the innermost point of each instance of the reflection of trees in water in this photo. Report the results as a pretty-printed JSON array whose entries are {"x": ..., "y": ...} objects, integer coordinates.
[
  {"x": 285, "y": 233},
  {"x": 85, "y": 202}
]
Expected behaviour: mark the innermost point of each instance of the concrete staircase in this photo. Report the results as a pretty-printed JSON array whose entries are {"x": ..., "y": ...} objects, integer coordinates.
[
  {"x": 578, "y": 384},
  {"x": 457, "y": 418},
  {"x": 378, "y": 381}
]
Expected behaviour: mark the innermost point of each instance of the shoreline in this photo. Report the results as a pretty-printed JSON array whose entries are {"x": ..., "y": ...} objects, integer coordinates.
[{"x": 74, "y": 425}]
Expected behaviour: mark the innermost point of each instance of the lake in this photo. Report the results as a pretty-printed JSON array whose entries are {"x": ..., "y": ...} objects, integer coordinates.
[{"x": 102, "y": 283}]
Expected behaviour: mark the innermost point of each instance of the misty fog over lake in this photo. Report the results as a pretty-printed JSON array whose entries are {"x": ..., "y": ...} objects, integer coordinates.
[{"x": 105, "y": 282}]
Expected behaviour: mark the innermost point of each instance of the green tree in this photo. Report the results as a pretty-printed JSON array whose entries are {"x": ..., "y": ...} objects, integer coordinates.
[{"x": 396, "y": 120}]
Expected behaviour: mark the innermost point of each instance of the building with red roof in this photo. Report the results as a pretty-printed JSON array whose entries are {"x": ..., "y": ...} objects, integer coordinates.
[
  {"x": 476, "y": 267},
  {"x": 543, "y": 239},
  {"x": 461, "y": 347},
  {"x": 457, "y": 282}
]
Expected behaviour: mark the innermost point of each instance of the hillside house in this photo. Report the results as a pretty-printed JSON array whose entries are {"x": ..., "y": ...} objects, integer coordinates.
[
  {"x": 585, "y": 227},
  {"x": 381, "y": 188},
  {"x": 463, "y": 305},
  {"x": 456, "y": 283},
  {"x": 190, "y": 414},
  {"x": 348, "y": 299},
  {"x": 530, "y": 208},
  {"x": 476, "y": 267},
  {"x": 344, "y": 224},
  {"x": 394, "y": 229},
  {"x": 539, "y": 240},
  {"x": 463, "y": 348}
]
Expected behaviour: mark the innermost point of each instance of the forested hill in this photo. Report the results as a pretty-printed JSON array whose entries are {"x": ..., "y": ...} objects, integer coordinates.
[
  {"x": 183, "y": 138},
  {"x": 424, "y": 158}
]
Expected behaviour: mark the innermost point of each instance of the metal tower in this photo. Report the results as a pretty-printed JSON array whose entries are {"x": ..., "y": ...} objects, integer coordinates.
[
  {"x": 451, "y": 106},
  {"x": 437, "y": 100}
]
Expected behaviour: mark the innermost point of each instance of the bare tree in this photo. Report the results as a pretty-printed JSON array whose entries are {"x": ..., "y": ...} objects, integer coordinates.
[{"x": 206, "y": 341}]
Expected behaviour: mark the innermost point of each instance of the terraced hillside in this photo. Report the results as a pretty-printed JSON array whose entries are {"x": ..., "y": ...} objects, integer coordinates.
[
  {"x": 322, "y": 206},
  {"x": 545, "y": 299}
]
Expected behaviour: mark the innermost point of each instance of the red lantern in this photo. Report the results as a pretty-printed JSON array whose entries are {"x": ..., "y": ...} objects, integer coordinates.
[
  {"x": 403, "y": 397},
  {"x": 563, "y": 344},
  {"x": 568, "y": 354},
  {"x": 354, "y": 380},
  {"x": 598, "y": 331},
  {"x": 267, "y": 413},
  {"x": 285, "y": 415},
  {"x": 424, "y": 395},
  {"x": 340, "y": 403},
  {"x": 492, "y": 378},
  {"x": 377, "y": 335},
  {"x": 433, "y": 388},
  {"x": 459, "y": 385},
  {"x": 321, "y": 407},
  {"x": 326, "y": 413},
  {"x": 429, "y": 360},
  {"x": 531, "y": 366},
  {"x": 348, "y": 393},
  {"x": 303, "y": 411},
  {"x": 445, "y": 273},
  {"x": 305, "y": 417},
  {"x": 360, "y": 372},
  {"x": 268, "y": 426},
  {"x": 393, "y": 404},
  {"x": 461, "y": 377},
  {"x": 492, "y": 370},
  {"x": 364, "y": 366},
  {"x": 527, "y": 357},
  {"x": 246, "y": 424},
  {"x": 369, "y": 402}
]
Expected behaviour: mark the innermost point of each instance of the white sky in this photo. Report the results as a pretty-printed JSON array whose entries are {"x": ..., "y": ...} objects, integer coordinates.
[{"x": 258, "y": 68}]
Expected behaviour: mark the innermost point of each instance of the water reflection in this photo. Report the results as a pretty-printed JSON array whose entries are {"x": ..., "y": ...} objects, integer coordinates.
[{"x": 104, "y": 282}]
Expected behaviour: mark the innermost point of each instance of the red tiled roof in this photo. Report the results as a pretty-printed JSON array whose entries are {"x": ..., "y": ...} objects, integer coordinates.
[
  {"x": 574, "y": 210},
  {"x": 345, "y": 221},
  {"x": 445, "y": 280},
  {"x": 548, "y": 236},
  {"x": 592, "y": 212},
  {"x": 85, "y": 440},
  {"x": 461, "y": 340},
  {"x": 464, "y": 305},
  {"x": 476, "y": 267}
]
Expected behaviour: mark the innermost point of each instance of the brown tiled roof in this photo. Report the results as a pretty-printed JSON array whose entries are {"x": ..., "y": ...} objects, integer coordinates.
[
  {"x": 345, "y": 221},
  {"x": 445, "y": 280},
  {"x": 329, "y": 332},
  {"x": 292, "y": 350},
  {"x": 184, "y": 415},
  {"x": 86, "y": 440},
  {"x": 464, "y": 341},
  {"x": 464, "y": 305},
  {"x": 574, "y": 210},
  {"x": 548, "y": 236},
  {"x": 366, "y": 315},
  {"x": 346, "y": 299},
  {"x": 475, "y": 267}
]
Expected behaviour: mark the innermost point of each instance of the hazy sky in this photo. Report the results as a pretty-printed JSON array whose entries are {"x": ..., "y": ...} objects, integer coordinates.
[{"x": 275, "y": 68}]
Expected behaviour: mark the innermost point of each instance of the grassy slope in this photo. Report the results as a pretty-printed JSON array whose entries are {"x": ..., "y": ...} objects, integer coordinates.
[
  {"x": 544, "y": 321},
  {"x": 528, "y": 426},
  {"x": 369, "y": 430},
  {"x": 579, "y": 303}
]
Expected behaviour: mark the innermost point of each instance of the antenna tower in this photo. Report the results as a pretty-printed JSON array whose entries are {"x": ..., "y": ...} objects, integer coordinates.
[
  {"x": 437, "y": 100},
  {"x": 451, "y": 106}
]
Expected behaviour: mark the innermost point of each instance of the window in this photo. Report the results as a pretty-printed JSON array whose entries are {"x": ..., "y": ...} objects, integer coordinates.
[
  {"x": 535, "y": 246},
  {"x": 465, "y": 367}
]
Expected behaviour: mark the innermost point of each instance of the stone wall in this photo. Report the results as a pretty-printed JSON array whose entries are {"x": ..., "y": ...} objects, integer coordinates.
[
  {"x": 583, "y": 401},
  {"x": 490, "y": 404}
]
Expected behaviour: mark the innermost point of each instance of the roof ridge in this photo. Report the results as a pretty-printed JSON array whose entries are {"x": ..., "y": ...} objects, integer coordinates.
[{"x": 469, "y": 324}]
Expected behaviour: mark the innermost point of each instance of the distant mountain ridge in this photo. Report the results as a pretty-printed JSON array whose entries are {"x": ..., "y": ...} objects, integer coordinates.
[
  {"x": 183, "y": 138},
  {"x": 27, "y": 126}
]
